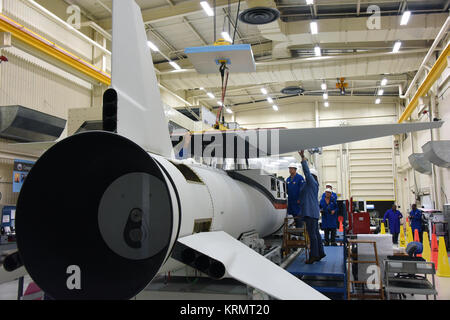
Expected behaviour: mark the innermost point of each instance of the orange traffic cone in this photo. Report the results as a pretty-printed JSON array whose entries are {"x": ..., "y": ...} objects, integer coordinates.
[
  {"x": 426, "y": 247},
  {"x": 341, "y": 226},
  {"x": 444, "y": 267},
  {"x": 416, "y": 238},
  {"x": 434, "y": 250}
]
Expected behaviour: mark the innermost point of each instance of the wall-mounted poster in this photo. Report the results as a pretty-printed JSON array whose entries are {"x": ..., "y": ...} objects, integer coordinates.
[{"x": 20, "y": 173}]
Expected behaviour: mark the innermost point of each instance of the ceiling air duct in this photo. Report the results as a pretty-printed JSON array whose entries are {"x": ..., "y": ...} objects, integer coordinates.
[
  {"x": 438, "y": 153},
  {"x": 259, "y": 15},
  {"x": 419, "y": 163},
  {"x": 21, "y": 124}
]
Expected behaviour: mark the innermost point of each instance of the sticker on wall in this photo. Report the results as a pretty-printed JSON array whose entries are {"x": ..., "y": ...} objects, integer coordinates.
[{"x": 20, "y": 173}]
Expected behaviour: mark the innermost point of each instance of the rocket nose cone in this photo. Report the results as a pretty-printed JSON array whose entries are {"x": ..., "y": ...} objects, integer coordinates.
[{"x": 94, "y": 218}]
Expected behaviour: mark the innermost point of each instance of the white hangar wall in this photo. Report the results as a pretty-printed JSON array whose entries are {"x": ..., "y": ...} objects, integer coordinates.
[{"x": 365, "y": 169}]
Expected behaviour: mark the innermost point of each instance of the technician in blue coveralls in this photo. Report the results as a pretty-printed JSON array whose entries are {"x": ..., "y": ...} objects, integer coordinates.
[
  {"x": 333, "y": 195},
  {"x": 394, "y": 216},
  {"x": 415, "y": 216},
  {"x": 328, "y": 207},
  {"x": 295, "y": 184},
  {"x": 309, "y": 208}
]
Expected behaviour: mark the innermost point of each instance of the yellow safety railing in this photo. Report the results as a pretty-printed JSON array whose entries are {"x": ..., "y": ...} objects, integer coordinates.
[
  {"x": 41, "y": 44},
  {"x": 430, "y": 79}
]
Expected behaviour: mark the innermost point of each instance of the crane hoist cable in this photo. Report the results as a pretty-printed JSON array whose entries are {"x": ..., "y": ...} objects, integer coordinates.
[{"x": 224, "y": 73}]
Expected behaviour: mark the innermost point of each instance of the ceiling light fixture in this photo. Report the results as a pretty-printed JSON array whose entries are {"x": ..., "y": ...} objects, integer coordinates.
[
  {"x": 318, "y": 51},
  {"x": 405, "y": 18},
  {"x": 205, "y": 5},
  {"x": 175, "y": 65},
  {"x": 314, "y": 27},
  {"x": 397, "y": 46},
  {"x": 227, "y": 36},
  {"x": 152, "y": 46}
]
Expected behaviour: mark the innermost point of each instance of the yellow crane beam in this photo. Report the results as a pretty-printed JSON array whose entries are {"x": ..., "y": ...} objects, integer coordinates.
[
  {"x": 426, "y": 85},
  {"x": 39, "y": 43}
]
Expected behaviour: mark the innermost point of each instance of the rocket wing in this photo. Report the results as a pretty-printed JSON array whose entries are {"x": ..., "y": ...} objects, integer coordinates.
[{"x": 249, "y": 267}]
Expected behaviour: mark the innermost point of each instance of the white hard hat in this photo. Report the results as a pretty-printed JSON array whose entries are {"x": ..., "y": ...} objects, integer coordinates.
[
  {"x": 329, "y": 190},
  {"x": 314, "y": 172},
  {"x": 293, "y": 165}
]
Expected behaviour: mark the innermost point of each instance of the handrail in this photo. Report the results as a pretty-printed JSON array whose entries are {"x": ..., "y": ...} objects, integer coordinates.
[{"x": 426, "y": 85}]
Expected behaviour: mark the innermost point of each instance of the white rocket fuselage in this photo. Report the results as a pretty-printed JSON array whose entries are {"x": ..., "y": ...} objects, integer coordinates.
[{"x": 230, "y": 205}]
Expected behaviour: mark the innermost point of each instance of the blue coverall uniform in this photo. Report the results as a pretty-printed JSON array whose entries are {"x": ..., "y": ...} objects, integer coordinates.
[
  {"x": 394, "y": 223},
  {"x": 415, "y": 217},
  {"x": 333, "y": 196},
  {"x": 310, "y": 211},
  {"x": 329, "y": 220},
  {"x": 294, "y": 187}
]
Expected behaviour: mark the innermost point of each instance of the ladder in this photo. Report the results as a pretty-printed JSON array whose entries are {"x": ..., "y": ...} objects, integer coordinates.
[{"x": 350, "y": 259}]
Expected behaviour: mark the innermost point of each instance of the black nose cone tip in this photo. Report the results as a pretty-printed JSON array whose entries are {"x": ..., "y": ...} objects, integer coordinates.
[{"x": 80, "y": 202}]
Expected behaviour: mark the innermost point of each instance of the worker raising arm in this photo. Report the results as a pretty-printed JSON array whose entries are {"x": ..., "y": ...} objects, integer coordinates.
[
  {"x": 310, "y": 211},
  {"x": 394, "y": 216}
]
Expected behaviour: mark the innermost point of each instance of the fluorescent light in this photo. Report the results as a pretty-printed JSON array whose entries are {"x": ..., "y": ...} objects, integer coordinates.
[
  {"x": 380, "y": 92},
  {"x": 263, "y": 90},
  {"x": 275, "y": 107},
  {"x": 405, "y": 18},
  {"x": 326, "y": 104},
  {"x": 309, "y": 1},
  {"x": 325, "y": 96},
  {"x": 211, "y": 95},
  {"x": 205, "y": 5},
  {"x": 378, "y": 101},
  {"x": 314, "y": 27},
  {"x": 318, "y": 51},
  {"x": 397, "y": 46},
  {"x": 323, "y": 86},
  {"x": 226, "y": 36},
  {"x": 175, "y": 65},
  {"x": 229, "y": 110},
  {"x": 270, "y": 100},
  {"x": 384, "y": 82},
  {"x": 220, "y": 103},
  {"x": 201, "y": 88},
  {"x": 152, "y": 46}
]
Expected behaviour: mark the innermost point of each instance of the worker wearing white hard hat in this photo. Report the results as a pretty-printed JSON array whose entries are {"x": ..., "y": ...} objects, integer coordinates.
[
  {"x": 295, "y": 184},
  {"x": 328, "y": 208},
  {"x": 333, "y": 195},
  {"x": 310, "y": 211}
]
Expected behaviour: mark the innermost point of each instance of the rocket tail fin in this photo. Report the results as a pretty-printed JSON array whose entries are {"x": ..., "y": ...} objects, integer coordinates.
[
  {"x": 140, "y": 115},
  {"x": 218, "y": 254}
]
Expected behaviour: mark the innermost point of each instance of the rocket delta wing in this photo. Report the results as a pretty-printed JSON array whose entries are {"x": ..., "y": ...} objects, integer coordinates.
[
  {"x": 259, "y": 143},
  {"x": 249, "y": 267}
]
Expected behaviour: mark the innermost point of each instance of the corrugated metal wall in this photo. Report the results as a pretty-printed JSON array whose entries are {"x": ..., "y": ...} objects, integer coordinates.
[
  {"x": 20, "y": 11},
  {"x": 33, "y": 83}
]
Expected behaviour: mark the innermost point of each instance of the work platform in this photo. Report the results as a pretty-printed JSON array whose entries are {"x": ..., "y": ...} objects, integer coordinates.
[{"x": 327, "y": 276}]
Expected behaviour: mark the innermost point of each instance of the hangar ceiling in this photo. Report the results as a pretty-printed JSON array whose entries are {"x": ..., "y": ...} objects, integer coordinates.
[{"x": 284, "y": 50}]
